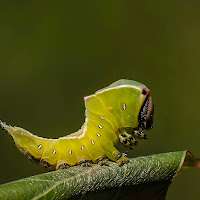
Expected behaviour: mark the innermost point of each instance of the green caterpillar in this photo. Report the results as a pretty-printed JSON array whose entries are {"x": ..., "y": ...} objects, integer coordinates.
[{"x": 117, "y": 113}]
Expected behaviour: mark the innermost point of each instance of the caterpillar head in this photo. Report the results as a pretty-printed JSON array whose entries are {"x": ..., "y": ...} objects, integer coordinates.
[
  {"x": 136, "y": 102},
  {"x": 126, "y": 106},
  {"x": 137, "y": 111}
]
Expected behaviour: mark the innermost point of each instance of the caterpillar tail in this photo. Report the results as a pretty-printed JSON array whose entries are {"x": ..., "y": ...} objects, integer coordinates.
[
  {"x": 46, "y": 152},
  {"x": 30, "y": 145}
]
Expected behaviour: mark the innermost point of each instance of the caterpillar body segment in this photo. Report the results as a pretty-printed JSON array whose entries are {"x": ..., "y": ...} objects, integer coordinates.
[{"x": 114, "y": 114}]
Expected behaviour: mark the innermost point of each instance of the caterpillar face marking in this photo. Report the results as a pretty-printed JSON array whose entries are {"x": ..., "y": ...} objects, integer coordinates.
[{"x": 116, "y": 114}]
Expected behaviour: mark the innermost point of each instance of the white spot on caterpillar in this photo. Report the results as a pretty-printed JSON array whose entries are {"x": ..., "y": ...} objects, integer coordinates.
[
  {"x": 39, "y": 146},
  {"x": 100, "y": 126},
  {"x": 124, "y": 106},
  {"x": 70, "y": 152},
  {"x": 101, "y": 117},
  {"x": 98, "y": 134},
  {"x": 92, "y": 141},
  {"x": 82, "y": 147},
  {"x": 54, "y": 152}
]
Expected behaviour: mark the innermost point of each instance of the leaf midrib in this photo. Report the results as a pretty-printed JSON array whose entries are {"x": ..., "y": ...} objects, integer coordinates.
[{"x": 62, "y": 181}]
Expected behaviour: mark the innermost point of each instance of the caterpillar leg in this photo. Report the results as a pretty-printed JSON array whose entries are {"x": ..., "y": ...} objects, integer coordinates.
[
  {"x": 85, "y": 163},
  {"x": 139, "y": 134},
  {"x": 103, "y": 162},
  {"x": 127, "y": 139},
  {"x": 118, "y": 157},
  {"x": 63, "y": 166},
  {"x": 46, "y": 164},
  {"x": 122, "y": 160}
]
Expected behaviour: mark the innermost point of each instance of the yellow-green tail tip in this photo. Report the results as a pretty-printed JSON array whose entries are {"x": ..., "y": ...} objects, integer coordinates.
[
  {"x": 5, "y": 127},
  {"x": 2, "y": 124}
]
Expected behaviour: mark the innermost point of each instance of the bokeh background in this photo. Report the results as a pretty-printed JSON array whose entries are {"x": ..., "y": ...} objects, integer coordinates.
[{"x": 54, "y": 53}]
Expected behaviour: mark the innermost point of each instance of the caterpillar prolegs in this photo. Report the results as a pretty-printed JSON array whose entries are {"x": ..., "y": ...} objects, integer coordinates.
[{"x": 117, "y": 113}]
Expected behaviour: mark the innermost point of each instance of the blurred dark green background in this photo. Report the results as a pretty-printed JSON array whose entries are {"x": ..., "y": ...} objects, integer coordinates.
[{"x": 54, "y": 53}]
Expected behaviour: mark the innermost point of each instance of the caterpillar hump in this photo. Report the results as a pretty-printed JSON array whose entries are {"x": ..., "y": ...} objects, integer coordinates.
[{"x": 117, "y": 113}]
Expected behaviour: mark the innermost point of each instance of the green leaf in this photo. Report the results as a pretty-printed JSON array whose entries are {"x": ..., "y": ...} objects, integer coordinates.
[{"x": 143, "y": 178}]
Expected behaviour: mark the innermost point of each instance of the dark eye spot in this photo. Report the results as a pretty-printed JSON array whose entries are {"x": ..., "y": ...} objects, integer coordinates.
[{"x": 144, "y": 92}]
